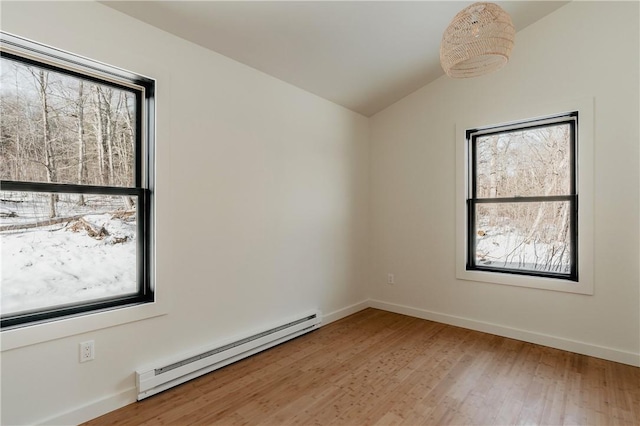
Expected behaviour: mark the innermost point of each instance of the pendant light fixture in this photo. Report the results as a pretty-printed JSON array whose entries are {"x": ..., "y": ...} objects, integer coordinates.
[{"x": 478, "y": 41}]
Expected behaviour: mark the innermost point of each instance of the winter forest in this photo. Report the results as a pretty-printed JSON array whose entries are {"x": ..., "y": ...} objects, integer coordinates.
[
  {"x": 526, "y": 235},
  {"x": 65, "y": 248}
]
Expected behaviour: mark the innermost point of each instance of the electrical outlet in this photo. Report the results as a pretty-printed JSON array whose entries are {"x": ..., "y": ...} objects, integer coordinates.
[
  {"x": 87, "y": 351},
  {"x": 391, "y": 279}
]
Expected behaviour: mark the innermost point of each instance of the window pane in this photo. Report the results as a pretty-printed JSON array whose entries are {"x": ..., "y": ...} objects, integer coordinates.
[
  {"x": 530, "y": 162},
  {"x": 61, "y": 129},
  {"x": 87, "y": 252},
  {"x": 524, "y": 236}
]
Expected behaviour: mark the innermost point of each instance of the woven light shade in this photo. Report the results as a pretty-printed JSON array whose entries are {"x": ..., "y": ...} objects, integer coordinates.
[{"x": 478, "y": 41}]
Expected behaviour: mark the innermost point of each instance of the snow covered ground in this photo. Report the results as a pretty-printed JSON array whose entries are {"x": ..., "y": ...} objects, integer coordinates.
[
  {"x": 61, "y": 263},
  {"x": 507, "y": 248}
]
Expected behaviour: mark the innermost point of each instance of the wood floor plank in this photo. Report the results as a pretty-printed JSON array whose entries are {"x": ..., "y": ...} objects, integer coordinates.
[{"x": 381, "y": 368}]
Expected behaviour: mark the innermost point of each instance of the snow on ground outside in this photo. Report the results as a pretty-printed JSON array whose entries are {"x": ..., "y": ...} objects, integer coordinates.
[
  {"x": 52, "y": 265},
  {"x": 497, "y": 243}
]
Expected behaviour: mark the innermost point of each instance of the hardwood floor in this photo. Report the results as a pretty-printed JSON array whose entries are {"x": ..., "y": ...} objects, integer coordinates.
[{"x": 377, "y": 367}]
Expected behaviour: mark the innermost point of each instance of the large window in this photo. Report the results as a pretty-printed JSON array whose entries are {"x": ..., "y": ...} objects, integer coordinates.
[
  {"x": 76, "y": 180},
  {"x": 522, "y": 201}
]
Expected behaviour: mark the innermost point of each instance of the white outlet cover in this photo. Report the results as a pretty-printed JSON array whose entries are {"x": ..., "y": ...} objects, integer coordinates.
[{"x": 87, "y": 351}]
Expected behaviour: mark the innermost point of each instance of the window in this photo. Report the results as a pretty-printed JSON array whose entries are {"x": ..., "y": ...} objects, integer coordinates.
[
  {"x": 522, "y": 200},
  {"x": 76, "y": 139}
]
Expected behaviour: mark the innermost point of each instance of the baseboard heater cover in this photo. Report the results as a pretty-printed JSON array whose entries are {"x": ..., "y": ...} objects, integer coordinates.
[{"x": 170, "y": 373}]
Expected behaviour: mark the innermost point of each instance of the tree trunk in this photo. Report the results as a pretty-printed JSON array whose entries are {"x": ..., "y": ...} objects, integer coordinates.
[
  {"x": 81, "y": 144},
  {"x": 493, "y": 179},
  {"x": 493, "y": 168},
  {"x": 17, "y": 170},
  {"x": 131, "y": 148},
  {"x": 100, "y": 137},
  {"x": 49, "y": 159},
  {"x": 110, "y": 128}
]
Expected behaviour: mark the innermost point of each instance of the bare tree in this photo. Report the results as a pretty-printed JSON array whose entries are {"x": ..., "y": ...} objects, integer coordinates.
[
  {"x": 58, "y": 129},
  {"x": 100, "y": 135},
  {"x": 520, "y": 164},
  {"x": 82, "y": 171},
  {"x": 49, "y": 157}
]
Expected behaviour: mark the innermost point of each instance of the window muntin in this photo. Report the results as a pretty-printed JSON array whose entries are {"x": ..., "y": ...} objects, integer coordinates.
[
  {"x": 522, "y": 199},
  {"x": 76, "y": 184}
]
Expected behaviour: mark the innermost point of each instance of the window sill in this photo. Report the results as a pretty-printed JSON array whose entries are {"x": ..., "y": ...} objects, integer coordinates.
[
  {"x": 555, "y": 284},
  {"x": 57, "y": 329}
]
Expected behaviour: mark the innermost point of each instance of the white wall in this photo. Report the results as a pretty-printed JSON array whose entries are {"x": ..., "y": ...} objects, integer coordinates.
[
  {"x": 262, "y": 209},
  {"x": 585, "y": 49},
  {"x": 263, "y": 199}
]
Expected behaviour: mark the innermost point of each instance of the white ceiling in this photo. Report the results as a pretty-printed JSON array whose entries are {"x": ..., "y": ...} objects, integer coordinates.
[{"x": 363, "y": 55}]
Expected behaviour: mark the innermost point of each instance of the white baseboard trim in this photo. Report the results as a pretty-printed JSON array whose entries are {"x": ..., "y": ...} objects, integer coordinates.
[
  {"x": 344, "y": 312},
  {"x": 93, "y": 409},
  {"x": 583, "y": 348}
]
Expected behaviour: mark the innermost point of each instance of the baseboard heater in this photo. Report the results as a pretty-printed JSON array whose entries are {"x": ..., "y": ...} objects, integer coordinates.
[{"x": 167, "y": 374}]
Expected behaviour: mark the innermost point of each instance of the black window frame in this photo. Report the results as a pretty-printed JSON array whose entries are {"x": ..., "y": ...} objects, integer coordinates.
[
  {"x": 570, "y": 118},
  {"x": 51, "y": 59}
]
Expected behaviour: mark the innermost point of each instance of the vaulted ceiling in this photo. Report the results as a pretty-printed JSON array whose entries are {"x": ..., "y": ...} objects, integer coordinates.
[{"x": 363, "y": 55}]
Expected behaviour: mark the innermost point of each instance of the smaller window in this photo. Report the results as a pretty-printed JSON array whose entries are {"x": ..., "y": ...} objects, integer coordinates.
[{"x": 522, "y": 200}]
